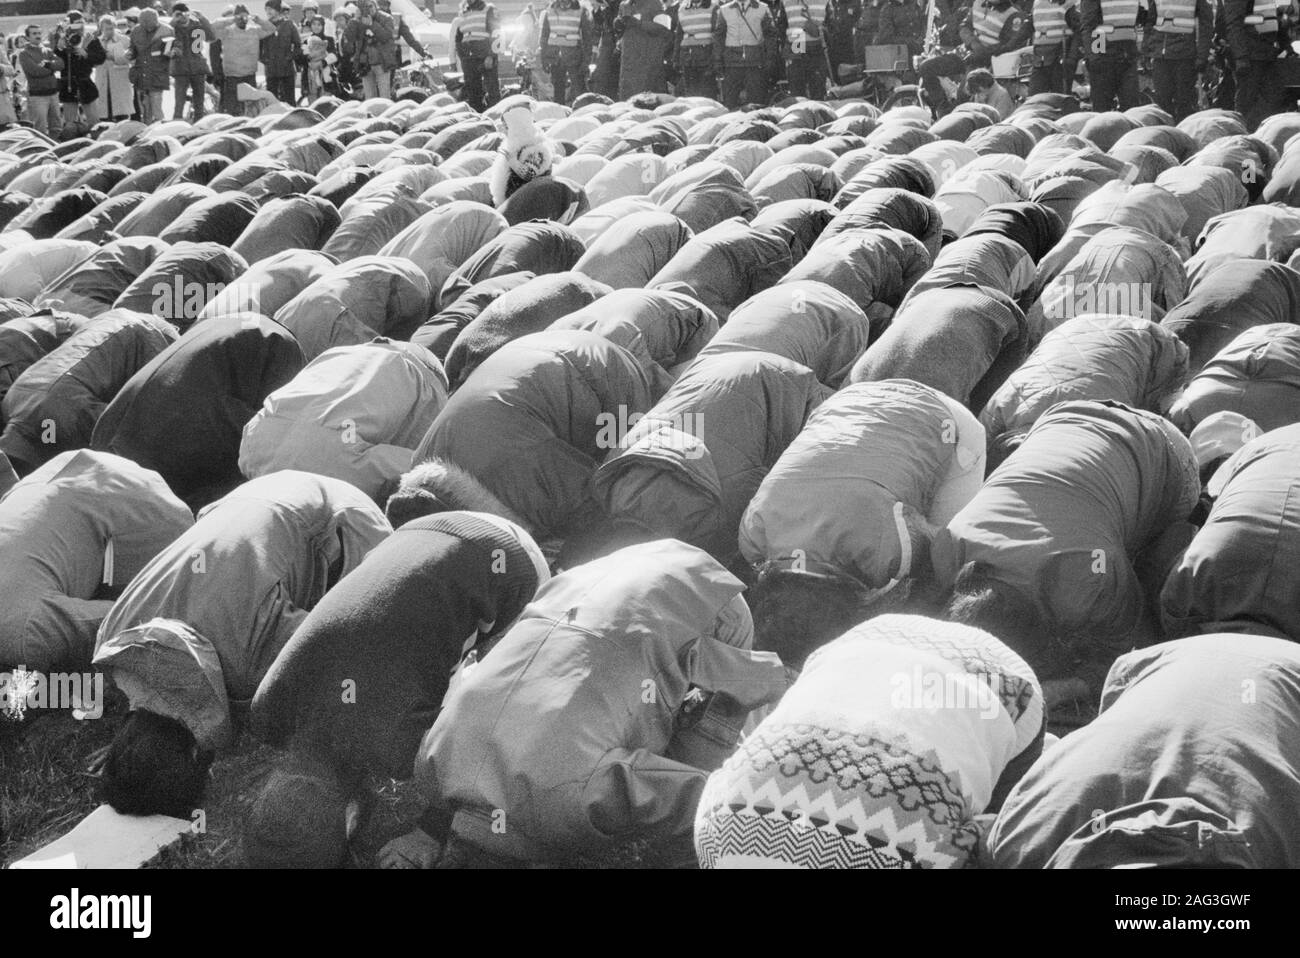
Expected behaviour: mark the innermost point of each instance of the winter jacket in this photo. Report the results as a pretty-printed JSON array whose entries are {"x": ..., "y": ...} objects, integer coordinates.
[
  {"x": 149, "y": 70},
  {"x": 534, "y": 421},
  {"x": 1239, "y": 572},
  {"x": 183, "y": 413},
  {"x": 663, "y": 330},
  {"x": 89, "y": 288},
  {"x": 832, "y": 503},
  {"x": 807, "y": 322},
  {"x": 891, "y": 207},
  {"x": 113, "y": 76},
  {"x": 704, "y": 195},
  {"x": 192, "y": 31},
  {"x": 530, "y": 308},
  {"x": 1060, "y": 521},
  {"x": 375, "y": 45},
  {"x": 83, "y": 521},
  {"x": 725, "y": 265},
  {"x": 1152, "y": 782},
  {"x": 1257, "y": 375},
  {"x": 1205, "y": 192},
  {"x": 630, "y": 256},
  {"x": 533, "y": 247},
  {"x": 27, "y": 269},
  {"x": 691, "y": 465},
  {"x": 76, "y": 70},
  {"x": 908, "y": 776},
  {"x": 25, "y": 339},
  {"x": 356, "y": 301},
  {"x": 355, "y": 413},
  {"x": 985, "y": 259},
  {"x": 268, "y": 284},
  {"x": 1122, "y": 358},
  {"x": 799, "y": 222},
  {"x": 1257, "y": 232},
  {"x": 962, "y": 340},
  {"x": 1233, "y": 297},
  {"x": 54, "y": 404},
  {"x": 280, "y": 49},
  {"x": 287, "y": 223},
  {"x": 178, "y": 284},
  {"x": 443, "y": 238},
  {"x": 239, "y": 48},
  {"x": 185, "y": 645},
  {"x": 869, "y": 266},
  {"x": 1035, "y": 227},
  {"x": 463, "y": 573},
  {"x": 552, "y": 728}
]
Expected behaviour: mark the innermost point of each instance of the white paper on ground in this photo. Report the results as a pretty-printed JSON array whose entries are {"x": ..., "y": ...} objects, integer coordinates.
[{"x": 107, "y": 839}]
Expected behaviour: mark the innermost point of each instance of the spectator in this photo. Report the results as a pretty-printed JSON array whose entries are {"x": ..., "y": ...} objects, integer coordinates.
[
  {"x": 113, "y": 76},
  {"x": 280, "y": 52},
  {"x": 345, "y": 70},
  {"x": 320, "y": 55},
  {"x": 647, "y": 44},
  {"x": 80, "y": 55},
  {"x": 7, "y": 73},
  {"x": 189, "y": 65},
  {"x": 373, "y": 38},
  {"x": 150, "y": 43},
  {"x": 239, "y": 41},
  {"x": 40, "y": 68}
]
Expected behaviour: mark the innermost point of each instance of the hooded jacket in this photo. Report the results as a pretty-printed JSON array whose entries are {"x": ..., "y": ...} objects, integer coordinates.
[
  {"x": 183, "y": 413},
  {"x": 860, "y": 765},
  {"x": 831, "y": 504},
  {"x": 1240, "y": 572},
  {"x": 1270, "y": 232},
  {"x": 870, "y": 265},
  {"x": 1061, "y": 520},
  {"x": 578, "y": 726},
  {"x": 83, "y": 521},
  {"x": 92, "y": 286},
  {"x": 443, "y": 238},
  {"x": 436, "y": 589},
  {"x": 631, "y": 255},
  {"x": 1153, "y": 782},
  {"x": 1121, "y": 358},
  {"x": 704, "y": 195},
  {"x": 690, "y": 466},
  {"x": 1256, "y": 375},
  {"x": 185, "y": 644},
  {"x": 536, "y": 247},
  {"x": 354, "y": 413},
  {"x": 534, "y": 421},
  {"x": 287, "y": 223},
  {"x": 54, "y": 404},
  {"x": 268, "y": 284},
  {"x": 25, "y": 339}
]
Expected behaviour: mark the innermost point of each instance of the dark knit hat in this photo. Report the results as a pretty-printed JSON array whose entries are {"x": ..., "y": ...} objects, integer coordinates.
[{"x": 299, "y": 820}]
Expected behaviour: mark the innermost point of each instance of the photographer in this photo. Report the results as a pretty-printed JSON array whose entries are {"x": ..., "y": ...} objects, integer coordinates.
[
  {"x": 373, "y": 37},
  {"x": 189, "y": 67},
  {"x": 80, "y": 53},
  {"x": 40, "y": 68}
]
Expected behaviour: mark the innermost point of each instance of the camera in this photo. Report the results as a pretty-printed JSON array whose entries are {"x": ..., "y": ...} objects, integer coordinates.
[{"x": 74, "y": 38}]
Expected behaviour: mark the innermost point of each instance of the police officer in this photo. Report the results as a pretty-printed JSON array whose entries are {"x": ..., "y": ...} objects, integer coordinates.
[
  {"x": 844, "y": 42},
  {"x": 1255, "y": 38},
  {"x": 1179, "y": 48},
  {"x": 1056, "y": 46},
  {"x": 1110, "y": 34},
  {"x": 901, "y": 21},
  {"x": 740, "y": 34},
  {"x": 478, "y": 39},
  {"x": 566, "y": 48},
  {"x": 803, "y": 50},
  {"x": 993, "y": 27},
  {"x": 693, "y": 50}
]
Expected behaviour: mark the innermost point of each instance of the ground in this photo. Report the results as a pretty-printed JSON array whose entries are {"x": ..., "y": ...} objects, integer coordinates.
[{"x": 45, "y": 789}]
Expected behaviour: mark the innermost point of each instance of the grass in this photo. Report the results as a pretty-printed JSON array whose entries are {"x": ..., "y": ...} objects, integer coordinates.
[{"x": 46, "y": 788}]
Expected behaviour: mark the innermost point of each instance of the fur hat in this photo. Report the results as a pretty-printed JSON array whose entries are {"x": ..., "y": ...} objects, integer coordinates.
[{"x": 438, "y": 486}]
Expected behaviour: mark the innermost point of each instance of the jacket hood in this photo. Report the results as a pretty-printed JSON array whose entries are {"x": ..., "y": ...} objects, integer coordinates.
[
  {"x": 168, "y": 668},
  {"x": 1161, "y": 833}
]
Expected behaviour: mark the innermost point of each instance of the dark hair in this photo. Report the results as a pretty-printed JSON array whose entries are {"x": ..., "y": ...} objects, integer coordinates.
[
  {"x": 979, "y": 79},
  {"x": 154, "y": 767},
  {"x": 275, "y": 5},
  {"x": 795, "y": 613},
  {"x": 981, "y": 600}
]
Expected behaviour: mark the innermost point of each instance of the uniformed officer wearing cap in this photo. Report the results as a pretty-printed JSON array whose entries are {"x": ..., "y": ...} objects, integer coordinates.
[
  {"x": 478, "y": 40},
  {"x": 1179, "y": 48},
  {"x": 566, "y": 47},
  {"x": 803, "y": 50},
  {"x": 1056, "y": 45},
  {"x": 693, "y": 49},
  {"x": 1257, "y": 34},
  {"x": 1110, "y": 36}
]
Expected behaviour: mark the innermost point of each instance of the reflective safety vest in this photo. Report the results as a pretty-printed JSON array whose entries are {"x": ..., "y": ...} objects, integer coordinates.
[
  {"x": 566, "y": 26},
  {"x": 473, "y": 26},
  {"x": 1049, "y": 22},
  {"x": 802, "y": 26},
  {"x": 1263, "y": 22},
  {"x": 988, "y": 23},
  {"x": 1118, "y": 20},
  {"x": 1176, "y": 16},
  {"x": 697, "y": 25}
]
